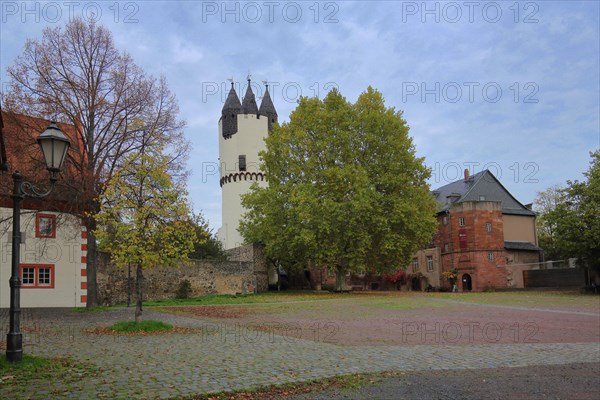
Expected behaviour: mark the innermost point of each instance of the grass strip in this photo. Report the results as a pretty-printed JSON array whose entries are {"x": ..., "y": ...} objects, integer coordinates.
[
  {"x": 147, "y": 325},
  {"x": 351, "y": 381},
  {"x": 16, "y": 375}
]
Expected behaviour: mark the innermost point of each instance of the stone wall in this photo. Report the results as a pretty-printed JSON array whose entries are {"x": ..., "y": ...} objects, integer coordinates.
[
  {"x": 255, "y": 254},
  {"x": 567, "y": 277},
  {"x": 206, "y": 277}
]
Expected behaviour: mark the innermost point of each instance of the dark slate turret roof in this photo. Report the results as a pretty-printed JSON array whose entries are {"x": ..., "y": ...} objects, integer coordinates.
[
  {"x": 249, "y": 103},
  {"x": 484, "y": 184},
  {"x": 232, "y": 102},
  {"x": 267, "y": 109},
  {"x": 231, "y": 109},
  {"x": 266, "y": 106}
]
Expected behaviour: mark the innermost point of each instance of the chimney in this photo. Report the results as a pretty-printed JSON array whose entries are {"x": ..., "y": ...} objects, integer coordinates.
[{"x": 466, "y": 174}]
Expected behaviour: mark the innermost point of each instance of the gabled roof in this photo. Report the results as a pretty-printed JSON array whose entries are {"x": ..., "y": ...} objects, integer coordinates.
[
  {"x": 23, "y": 154},
  {"x": 3, "y": 162},
  {"x": 483, "y": 186}
]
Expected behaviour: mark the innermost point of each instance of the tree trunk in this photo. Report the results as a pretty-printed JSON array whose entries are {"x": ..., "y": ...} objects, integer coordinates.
[
  {"x": 315, "y": 280},
  {"x": 91, "y": 263},
  {"x": 139, "y": 284},
  {"x": 340, "y": 275}
]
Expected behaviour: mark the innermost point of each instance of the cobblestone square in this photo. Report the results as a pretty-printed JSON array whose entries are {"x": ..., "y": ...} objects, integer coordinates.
[{"x": 296, "y": 341}]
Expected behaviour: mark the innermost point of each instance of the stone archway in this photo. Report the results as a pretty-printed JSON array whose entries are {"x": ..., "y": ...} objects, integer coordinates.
[
  {"x": 416, "y": 283},
  {"x": 467, "y": 283}
]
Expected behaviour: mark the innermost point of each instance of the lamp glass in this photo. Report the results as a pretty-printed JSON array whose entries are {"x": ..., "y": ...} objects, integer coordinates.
[{"x": 54, "y": 145}]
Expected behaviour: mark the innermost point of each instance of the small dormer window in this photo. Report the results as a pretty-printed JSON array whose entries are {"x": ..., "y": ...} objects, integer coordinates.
[
  {"x": 481, "y": 198},
  {"x": 242, "y": 162}
]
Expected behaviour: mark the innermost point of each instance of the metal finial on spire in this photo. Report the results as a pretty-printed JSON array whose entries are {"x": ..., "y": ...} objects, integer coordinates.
[
  {"x": 231, "y": 80},
  {"x": 249, "y": 77},
  {"x": 266, "y": 83}
]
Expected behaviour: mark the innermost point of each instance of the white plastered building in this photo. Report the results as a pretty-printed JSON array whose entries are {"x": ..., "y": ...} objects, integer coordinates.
[
  {"x": 53, "y": 254},
  {"x": 53, "y": 248}
]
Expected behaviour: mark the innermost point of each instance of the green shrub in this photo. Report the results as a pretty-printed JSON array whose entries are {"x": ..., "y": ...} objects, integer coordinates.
[
  {"x": 184, "y": 290},
  {"x": 148, "y": 325}
]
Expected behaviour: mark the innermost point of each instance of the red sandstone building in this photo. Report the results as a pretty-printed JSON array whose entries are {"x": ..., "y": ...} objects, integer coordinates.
[{"x": 484, "y": 233}]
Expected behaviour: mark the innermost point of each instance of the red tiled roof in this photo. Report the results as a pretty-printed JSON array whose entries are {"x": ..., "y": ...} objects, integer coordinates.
[
  {"x": 22, "y": 153},
  {"x": 3, "y": 165}
]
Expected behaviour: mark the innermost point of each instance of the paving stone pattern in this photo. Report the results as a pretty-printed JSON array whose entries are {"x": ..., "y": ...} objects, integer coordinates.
[{"x": 229, "y": 357}]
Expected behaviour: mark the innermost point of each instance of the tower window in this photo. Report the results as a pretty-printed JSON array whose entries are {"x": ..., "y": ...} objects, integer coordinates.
[
  {"x": 461, "y": 221},
  {"x": 242, "y": 162},
  {"x": 488, "y": 227}
]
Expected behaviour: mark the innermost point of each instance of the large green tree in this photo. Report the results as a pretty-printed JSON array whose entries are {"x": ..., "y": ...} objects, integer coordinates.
[
  {"x": 576, "y": 218},
  {"x": 544, "y": 203},
  {"x": 345, "y": 188},
  {"x": 144, "y": 216},
  {"x": 207, "y": 246}
]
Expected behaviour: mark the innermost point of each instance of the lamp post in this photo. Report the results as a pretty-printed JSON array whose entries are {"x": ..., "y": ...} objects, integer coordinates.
[{"x": 54, "y": 145}]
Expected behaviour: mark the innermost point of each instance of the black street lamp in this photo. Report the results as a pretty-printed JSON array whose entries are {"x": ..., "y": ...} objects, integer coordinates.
[{"x": 54, "y": 145}]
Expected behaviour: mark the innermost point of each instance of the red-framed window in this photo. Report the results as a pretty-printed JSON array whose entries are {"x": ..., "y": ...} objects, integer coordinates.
[
  {"x": 45, "y": 226},
  {"x": 37, "y": 276}
]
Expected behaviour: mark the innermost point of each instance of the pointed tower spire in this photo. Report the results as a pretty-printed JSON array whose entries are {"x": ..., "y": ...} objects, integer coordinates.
[
  {"x": 249, "y": 103},
  {"x": 233, "y": 101},
  {"x": 229, "y": 113},
  {"x": 267, "y": 108}
]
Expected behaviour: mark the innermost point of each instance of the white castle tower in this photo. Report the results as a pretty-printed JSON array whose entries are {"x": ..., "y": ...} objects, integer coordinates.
[{"x": 242, "y": 130}]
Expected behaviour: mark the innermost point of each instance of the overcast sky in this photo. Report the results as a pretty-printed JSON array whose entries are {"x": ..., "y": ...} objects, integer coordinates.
[{"x": 509, "y": 86}]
